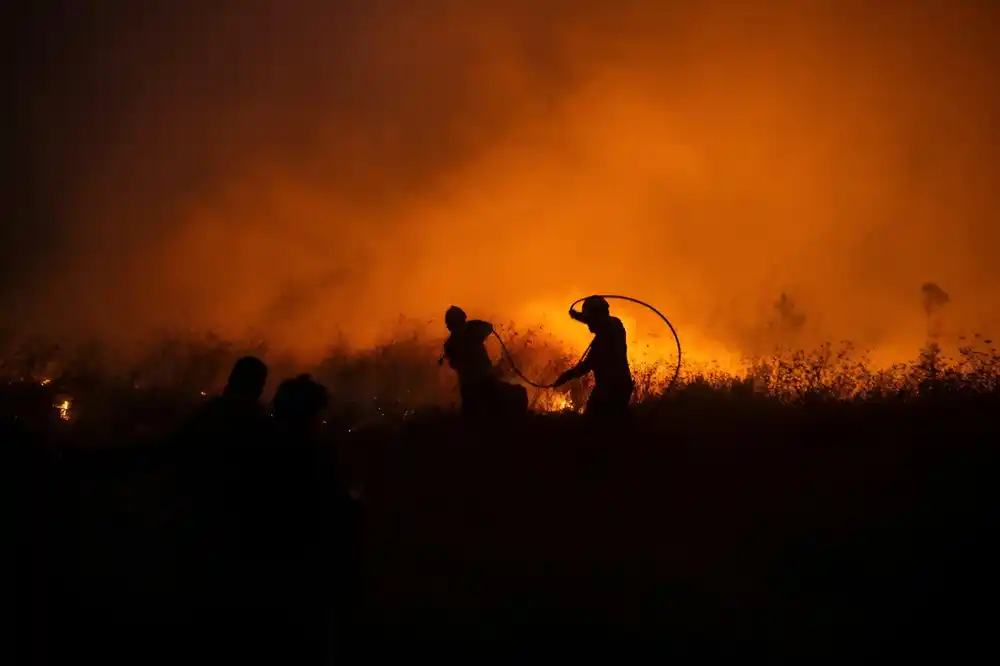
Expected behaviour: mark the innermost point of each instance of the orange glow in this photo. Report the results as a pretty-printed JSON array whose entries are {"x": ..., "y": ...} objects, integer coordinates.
[
  {"x": 65, "y": 407},
  {"x": 555, "y": 402},
  {"x": 704, "y": 157}
]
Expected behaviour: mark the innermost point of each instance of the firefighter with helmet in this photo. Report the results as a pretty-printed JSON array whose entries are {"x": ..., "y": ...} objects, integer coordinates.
[
  {"x": 465, "y": 351},
  {"x": 607, "y": 359}
]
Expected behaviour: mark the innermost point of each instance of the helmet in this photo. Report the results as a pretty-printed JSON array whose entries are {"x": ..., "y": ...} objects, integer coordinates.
[
  {"x": 455, "y": 316},
  {"x": 595, "y": 307}
]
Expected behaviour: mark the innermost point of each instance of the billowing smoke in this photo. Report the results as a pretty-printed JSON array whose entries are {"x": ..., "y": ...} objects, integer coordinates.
[{"x": 306, "y": 169}]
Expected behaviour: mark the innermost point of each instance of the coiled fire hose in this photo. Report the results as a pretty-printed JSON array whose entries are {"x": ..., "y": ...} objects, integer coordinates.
[{"x": 677, "y": 340}]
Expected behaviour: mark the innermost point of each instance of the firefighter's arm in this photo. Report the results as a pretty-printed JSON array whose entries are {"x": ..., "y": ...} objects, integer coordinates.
[
  {"x": 567, "y": 376},
  {"x": 579, "y": 370}
]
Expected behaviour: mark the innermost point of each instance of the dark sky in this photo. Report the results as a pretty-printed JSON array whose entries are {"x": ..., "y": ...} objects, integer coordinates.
[
  {"x": 66, "y": 99},
  {"x": 271, "y": 163}
]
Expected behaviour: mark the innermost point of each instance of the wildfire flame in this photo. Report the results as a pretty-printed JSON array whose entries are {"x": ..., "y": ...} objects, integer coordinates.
[
  {"x": 64, "y": 408},
  {"x": 555, "y": 402}
]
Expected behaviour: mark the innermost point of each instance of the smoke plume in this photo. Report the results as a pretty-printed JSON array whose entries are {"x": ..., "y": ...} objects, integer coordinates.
[{"x": 306, "y": 169}]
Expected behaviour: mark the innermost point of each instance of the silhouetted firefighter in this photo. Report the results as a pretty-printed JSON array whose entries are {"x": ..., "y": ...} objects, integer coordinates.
[
  {"x": 483, "y": 394},
  {"x": 607, "y": 359},
  {"x": 934, "y": 298}
]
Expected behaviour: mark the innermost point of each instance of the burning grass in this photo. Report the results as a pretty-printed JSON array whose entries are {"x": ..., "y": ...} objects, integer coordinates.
[{"x": 92, "y": 385}]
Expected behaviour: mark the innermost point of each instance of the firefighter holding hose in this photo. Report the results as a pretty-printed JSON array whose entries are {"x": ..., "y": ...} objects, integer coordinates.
[
  {"x": 607, "y": 359},
  {"x": 465, "y": 351}
]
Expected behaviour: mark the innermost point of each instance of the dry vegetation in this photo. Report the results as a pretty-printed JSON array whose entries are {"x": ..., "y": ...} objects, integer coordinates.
[{"x": 91, "y": 385}]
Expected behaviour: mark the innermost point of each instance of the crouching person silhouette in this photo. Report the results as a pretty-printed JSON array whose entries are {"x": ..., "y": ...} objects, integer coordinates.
[{"x": 484, "y": 396}]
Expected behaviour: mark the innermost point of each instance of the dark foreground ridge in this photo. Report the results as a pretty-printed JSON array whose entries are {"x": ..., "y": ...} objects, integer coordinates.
[{"x": 716, "y": 523}]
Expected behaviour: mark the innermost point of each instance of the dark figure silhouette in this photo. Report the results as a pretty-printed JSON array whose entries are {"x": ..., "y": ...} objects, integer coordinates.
[
  {"x": 607, "y": 359},
  {"x": 465, "y": 351},
  {"x": 484, "y": 396},
  {"x": 292, "y": 528},
  {"x": 213, "y": 450},
  {"x": 298, "y": 407},
  {"x": 935, "y": 299},
  {"x": 238, "y": 411},
  {"x": 465, "y": 348},
  {"x": 301, "y": 471}
]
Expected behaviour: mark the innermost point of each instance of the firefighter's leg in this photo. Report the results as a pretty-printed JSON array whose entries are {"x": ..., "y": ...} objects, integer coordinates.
[
  {"x": 609, "y": 408},
  {"x": 475, "y": 403}
]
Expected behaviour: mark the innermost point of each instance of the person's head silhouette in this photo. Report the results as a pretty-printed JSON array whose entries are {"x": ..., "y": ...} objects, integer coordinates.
[
  {"x": 455, "y": 318},
  {"x": 594, "y": 312},
  {"x": 299, "y": 403},
  {"x": 247, "y": 379}
]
